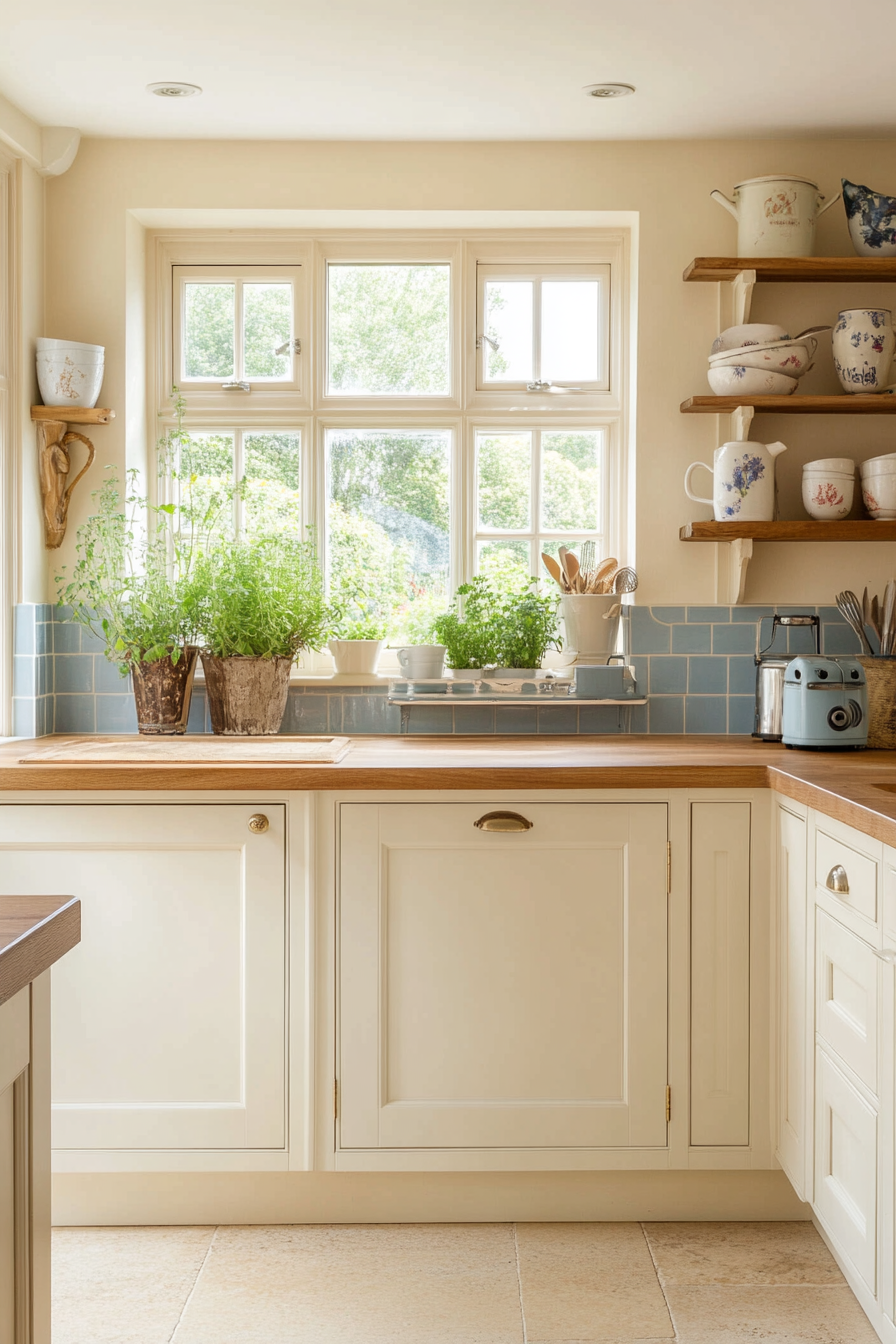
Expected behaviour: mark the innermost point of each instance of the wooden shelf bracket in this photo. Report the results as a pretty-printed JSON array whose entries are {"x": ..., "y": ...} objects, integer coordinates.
[{"x": 55, "y": 463}]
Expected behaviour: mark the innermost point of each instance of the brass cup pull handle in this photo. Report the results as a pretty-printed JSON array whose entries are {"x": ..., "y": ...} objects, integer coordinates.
[
  {"x": 258, "y": 823},
  {"x": 837, "y": 881},
  {"x": 506, "y": 822}
]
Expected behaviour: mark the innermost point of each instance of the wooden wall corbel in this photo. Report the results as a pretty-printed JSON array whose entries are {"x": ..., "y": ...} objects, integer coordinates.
[{"x": 53, "y": 439}]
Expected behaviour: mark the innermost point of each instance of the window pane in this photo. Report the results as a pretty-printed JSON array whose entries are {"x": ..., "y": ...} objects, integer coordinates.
[
  {"x": 505, "y": 561},
  {"x": 206, "y": 465},
  {"x": 208, "y": 330},
  {"x": 570, "y": 480},
  {"x": 271, "y": 482},
  {"x": 508, "y": 322},
  {"x": 569, "y": 330},
  {"x": 267, "y": 324},
  {"x": 503, "y": 462},
  {"x": 388, "y": 330},
  {"x": 387, "y": 523}
]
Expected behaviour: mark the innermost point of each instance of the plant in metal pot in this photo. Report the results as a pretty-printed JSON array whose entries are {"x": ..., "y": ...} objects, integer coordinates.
[
  {"x": 259, "y": 603},
  {"x": 131, "y": 583}
]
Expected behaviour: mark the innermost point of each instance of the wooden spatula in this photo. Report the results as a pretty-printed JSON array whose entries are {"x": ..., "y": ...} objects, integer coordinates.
[{"x": 554, "y": 570}]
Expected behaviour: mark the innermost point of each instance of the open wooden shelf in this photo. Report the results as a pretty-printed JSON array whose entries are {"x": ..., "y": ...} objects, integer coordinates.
[
  {"x": 778, "y": 270},
  {"x": 861, "y": 529},
  {"x": 882, "y": 403},
  {"x": 74, "y": 415}
]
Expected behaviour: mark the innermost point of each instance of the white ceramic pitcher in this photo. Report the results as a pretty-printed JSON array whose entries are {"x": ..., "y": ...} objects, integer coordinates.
[
  {"x": 775, "y": 215},
  {"x": 743, "y": 482}
]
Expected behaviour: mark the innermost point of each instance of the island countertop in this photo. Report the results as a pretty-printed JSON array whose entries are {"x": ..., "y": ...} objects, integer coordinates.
[
  {"x": 35, "y": 931},
  {"x": 859, "y": 788}
]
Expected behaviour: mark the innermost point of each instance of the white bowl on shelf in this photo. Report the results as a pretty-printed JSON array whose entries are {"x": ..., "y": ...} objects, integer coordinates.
[
  {"x": 828, "y": 495},
  {"x": 878, "y": 466},
  {"x": 737, "y": 379},
  {"x": 748, "y": 333},
  {"x": 69, "y": 373},
  {"x": 843, "y": 466},
  {"x": 879, "y": 495},
  {"x": 791, "y": 357}
]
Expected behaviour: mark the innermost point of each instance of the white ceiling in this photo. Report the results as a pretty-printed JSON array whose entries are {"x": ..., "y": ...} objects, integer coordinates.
[{"x": 468, "y": 69}]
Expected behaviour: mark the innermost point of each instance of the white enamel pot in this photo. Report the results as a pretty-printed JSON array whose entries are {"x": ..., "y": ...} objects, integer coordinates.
[{"x": 775, "y": 215}]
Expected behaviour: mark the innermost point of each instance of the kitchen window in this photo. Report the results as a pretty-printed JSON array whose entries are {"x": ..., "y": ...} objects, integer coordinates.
[{"x": 426, "y": 406}]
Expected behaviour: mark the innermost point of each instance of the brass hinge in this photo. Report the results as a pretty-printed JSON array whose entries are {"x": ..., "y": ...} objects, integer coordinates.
[
  {"x": 668, "y": 1103},
  {"x": 336, "y": 1098},
  {"x": 668, "y": 866}
]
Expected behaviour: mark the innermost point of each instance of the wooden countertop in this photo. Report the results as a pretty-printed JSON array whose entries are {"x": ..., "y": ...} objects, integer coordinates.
[
  {"x": 35, "y": 931},
  {"x": 846, "y": 786}
]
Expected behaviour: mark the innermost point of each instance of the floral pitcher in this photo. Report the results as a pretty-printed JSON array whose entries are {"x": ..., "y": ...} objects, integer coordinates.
[
  {"x": 864, "y": 343},
  {"x": 743, "y": 482}
]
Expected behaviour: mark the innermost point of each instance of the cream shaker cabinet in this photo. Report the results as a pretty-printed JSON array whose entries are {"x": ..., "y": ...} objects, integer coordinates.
[
  {"x": 169, "y": 1018},
  {"x": 502, "y": 989}
]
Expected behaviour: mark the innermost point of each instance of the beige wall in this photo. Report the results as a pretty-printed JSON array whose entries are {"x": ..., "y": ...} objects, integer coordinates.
[
  {"x": 33, "y": 580},
  {"x": 90, "y": 266}
]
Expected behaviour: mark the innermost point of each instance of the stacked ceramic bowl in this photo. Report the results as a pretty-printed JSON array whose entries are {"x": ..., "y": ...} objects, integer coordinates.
[
  {"x": 828, "y": 487},
  {"x": 69, "y": 373},
  {"x": 879, "y": 485},
  {"x": 760, "y": 359}
]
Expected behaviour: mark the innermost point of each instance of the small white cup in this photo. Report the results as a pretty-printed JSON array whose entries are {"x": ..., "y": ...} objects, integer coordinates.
[
  {"x": 827, "y": 496},
  {"x": 422, "y": 660}
]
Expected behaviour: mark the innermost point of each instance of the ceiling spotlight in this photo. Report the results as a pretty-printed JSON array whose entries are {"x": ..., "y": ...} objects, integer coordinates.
[
  {"x": 170, "y": 89},
  {"x": 609, "y": 90}
]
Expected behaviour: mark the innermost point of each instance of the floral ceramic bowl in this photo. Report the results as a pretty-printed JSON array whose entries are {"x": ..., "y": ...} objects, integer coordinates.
[
  {"x": 791, "y": 357},
  {"x": 748, "y": 333},
  {"x": 731, "y": 380},
  {"x": 872, "y": 220},
  {"x": 879, "y": 495},
  {"x": 827, "y": 495}
]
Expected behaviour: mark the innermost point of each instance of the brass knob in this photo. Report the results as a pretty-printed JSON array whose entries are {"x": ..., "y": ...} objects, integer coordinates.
[
  {"x": 258, "y": 823},
  {"x": 503, "y": 821},
  {"x": 837, "y": 881}
]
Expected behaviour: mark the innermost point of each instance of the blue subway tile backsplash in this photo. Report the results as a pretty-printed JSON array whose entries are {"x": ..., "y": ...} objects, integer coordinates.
[{"x": 695, "y": 664}]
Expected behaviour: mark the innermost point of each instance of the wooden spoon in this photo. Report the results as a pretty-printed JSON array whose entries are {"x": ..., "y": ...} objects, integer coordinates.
[
  {"x": 572, "y": 571},
  {"x": 554, "y": 570},
  {"x": 603, "y": 575}
]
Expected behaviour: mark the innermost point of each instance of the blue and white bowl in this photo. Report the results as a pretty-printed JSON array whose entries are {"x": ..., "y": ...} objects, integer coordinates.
[{"x": 872, "y": 220}]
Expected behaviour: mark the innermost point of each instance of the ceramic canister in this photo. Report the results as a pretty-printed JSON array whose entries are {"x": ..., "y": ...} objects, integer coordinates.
[
  {"x": 775, "y": 215},
  {"x": 743, "y": 482},
  {"x": 864, "y": 343}
]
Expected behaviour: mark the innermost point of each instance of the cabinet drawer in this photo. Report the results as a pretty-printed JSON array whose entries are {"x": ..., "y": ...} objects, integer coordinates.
[
  {"x": 861, "y": 875},
  {"x": 846, "y": 1167},
  {"x": 846, "y": 997}
]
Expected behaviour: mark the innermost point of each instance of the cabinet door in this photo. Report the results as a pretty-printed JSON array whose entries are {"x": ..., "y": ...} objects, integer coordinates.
[
  {"x": 169, "y": 1016},
  {"x": 846, "y": 1166},
  {"x": 846, "y": 997},
  {"x": 502, "y": 990},
  {"x": 794, "y": 1038},
  {"x": 720, "y": 973}
]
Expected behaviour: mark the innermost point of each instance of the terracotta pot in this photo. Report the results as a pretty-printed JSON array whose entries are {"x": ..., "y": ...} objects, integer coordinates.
[
  {"x": 880, "y": 674},
  {"x": 162, "y": 692},
  {"x": 246, "y": 696}
]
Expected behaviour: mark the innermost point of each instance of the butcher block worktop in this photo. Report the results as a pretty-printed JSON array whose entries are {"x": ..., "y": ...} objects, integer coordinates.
[
  {"x": 859, "y": 788},
  {"x": 35, "y": 931}
]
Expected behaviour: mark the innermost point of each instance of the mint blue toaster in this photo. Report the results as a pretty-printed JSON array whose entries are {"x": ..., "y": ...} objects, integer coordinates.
[{"x": 825, "y": 704}]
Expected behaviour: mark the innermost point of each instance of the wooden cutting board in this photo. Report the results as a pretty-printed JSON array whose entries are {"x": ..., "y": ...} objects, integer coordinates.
[{"x": 198, "y": 749}]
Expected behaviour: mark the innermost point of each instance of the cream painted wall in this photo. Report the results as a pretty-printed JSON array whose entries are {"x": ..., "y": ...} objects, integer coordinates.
[{"x": 90, "y": 266}]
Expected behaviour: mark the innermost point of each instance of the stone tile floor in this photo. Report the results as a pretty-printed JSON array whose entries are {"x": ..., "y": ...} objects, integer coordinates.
[{"x": 449, "y": 1283}]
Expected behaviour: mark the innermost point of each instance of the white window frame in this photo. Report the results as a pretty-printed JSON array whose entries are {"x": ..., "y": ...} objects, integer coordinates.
[
  {"x": 559, "y": 271},
  {"x": 238, "y": 276},
  {"x": 10, "y": 318},
  {"x": 469, "y": 408}
]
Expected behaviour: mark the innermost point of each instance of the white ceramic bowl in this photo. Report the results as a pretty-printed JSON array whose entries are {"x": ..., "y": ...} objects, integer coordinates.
[
  {"x": 843, "y": 466},
  {"x": 82, "y": 350},
  {"x": 879, "y": 495},
  {"x": 67, "y": 379},
  {"x": 731, "y": 380},
  {"x": 877, "y": 466},
  {"x": 790, "y": 357},
  {"x": 749, "y": 333},
  {"x": 828, "y": 495}
]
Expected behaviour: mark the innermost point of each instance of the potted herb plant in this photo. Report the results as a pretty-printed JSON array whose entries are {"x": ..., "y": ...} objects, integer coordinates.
[
  {"x": 528, "y": 625},
  {"x": 359, "y": 638},
  {"x": 507, "y": 625},
  {"x": 469, "y": 631},
  {"x": 259, "y": 602}
]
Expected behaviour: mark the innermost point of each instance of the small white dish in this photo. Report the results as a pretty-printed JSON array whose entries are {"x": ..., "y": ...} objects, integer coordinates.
[
  {"x": 843, "y": 466},
  {"x": 748, "y": 333},
  {"x": 738, "y": 379}
]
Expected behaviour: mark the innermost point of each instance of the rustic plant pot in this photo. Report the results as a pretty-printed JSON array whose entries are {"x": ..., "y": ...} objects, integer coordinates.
[
  {"x": 162, "y": 692},
  {"x": 246, "y": 696},
  {"x": 880, "y": 674}
]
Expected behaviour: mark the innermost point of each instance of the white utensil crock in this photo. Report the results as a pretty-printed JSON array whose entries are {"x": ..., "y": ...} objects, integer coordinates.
[
  {"x": 864, "y": 343},
  {"x": 743, "y": 482},
  {"x": 592, "y": 625},
  {"x": 422, "y": 660},
  {"x": 775, "y": 215}
]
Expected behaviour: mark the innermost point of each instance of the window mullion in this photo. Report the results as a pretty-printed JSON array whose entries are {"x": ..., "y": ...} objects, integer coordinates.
[
  {"x": 535, "y": 495},
  {"x": 239, "y": 471},
  {"x": 238, "y": 337},
  {"x": 536, "y": 330}
]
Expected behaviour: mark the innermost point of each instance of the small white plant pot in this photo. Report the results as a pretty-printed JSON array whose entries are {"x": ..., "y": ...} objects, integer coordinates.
[
  {"x": 356, "y": 655},
  {"x": 69, "y": 373}
]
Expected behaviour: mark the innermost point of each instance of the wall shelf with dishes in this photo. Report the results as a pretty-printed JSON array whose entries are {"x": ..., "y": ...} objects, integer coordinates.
[{"x": 737, "y": 278}]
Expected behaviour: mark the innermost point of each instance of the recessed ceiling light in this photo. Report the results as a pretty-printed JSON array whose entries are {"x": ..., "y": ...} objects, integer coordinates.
[
  {"x": 609, "y": 90},
  {"x": 170, "y": 89}
]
